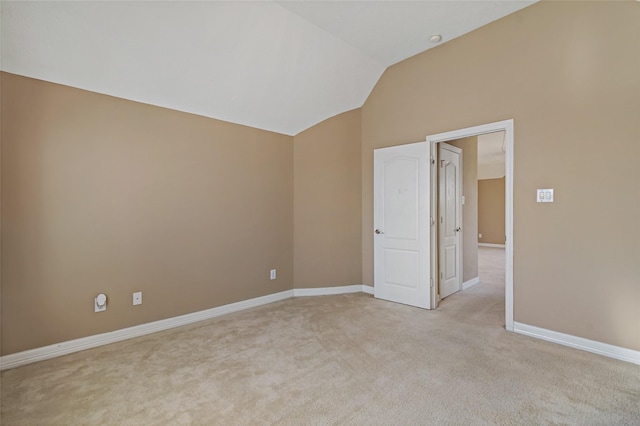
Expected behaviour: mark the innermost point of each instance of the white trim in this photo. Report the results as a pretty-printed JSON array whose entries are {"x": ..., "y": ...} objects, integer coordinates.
[
  {"x": 327, "y": 291},
  {"x": 470, "y": 283},
  {"x": 491, "y": 245},
  {"x": 581, "y": 343},
  {"x": 77, "y": 345},
  {"x": 507, "y": 127},
  {"x": 435, "y": 244},
  {"x": 64, "y": 348}
]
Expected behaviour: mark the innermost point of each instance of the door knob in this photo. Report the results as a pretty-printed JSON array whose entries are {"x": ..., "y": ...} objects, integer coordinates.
[
  {"x": 377, "y": 231},
  {"x": 458, "y": 229}
]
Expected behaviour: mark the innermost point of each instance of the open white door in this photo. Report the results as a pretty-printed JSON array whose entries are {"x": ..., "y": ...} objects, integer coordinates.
[
  {"x": 402, "y": 194},
  {"x": 450, "y": 218}
]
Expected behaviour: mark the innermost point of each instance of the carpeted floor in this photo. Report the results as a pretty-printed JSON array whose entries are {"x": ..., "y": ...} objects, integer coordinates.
[{"x": 348, "y": 359}]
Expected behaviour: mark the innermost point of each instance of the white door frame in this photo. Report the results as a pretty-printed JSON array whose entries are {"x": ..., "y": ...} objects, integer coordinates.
[{"x": 507, "y": 127}]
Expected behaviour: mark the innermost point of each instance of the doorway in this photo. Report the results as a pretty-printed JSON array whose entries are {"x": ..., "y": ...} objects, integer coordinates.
[
  {"x": 490, "y": 208},
  {"x": 405, "y": 212},
  {"x": 433, "y": 141}
]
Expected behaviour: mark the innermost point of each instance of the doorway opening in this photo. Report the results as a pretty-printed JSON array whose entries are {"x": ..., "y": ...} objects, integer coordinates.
[
  {"x": 471, "y": 212},
  {"x": 437, "y": 264}
]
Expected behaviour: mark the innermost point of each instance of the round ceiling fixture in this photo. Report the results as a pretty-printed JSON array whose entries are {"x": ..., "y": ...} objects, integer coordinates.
[{"x": 436, "y": 38}]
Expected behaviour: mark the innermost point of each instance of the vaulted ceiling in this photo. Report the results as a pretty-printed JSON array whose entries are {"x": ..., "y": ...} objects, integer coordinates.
[{"x": 276, "y": 65}]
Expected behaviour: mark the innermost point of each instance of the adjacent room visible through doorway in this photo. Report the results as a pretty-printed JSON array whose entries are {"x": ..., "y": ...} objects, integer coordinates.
[
  {"x": 479, "y": 225},
  {"x": 486, "y": 153}
]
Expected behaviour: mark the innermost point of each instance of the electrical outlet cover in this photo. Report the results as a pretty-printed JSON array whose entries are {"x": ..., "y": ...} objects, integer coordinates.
[{"x": 100, "y": 303}]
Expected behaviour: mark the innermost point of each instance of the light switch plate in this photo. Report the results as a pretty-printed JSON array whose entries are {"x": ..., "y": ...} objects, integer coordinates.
[{"x": 545, "y": 195}]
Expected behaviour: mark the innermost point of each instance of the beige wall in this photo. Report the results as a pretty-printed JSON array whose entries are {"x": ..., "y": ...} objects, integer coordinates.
[
  {"x": 491, "y": 210},
  {"x": 568, "y": 73},
  {"x": 469, "y": 148},
  {"x": 100, "y": 194},
  {"x": 327, "y": 203}
]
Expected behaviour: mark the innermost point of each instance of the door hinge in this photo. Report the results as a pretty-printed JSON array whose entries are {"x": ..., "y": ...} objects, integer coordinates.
[
  {"x": 431, "y": 281},
  {"x": 433, "y": 222},
  {"x": 432, "y": 160}
]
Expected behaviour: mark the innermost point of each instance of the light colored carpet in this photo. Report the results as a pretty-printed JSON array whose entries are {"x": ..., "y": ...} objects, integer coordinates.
[{"x": 348, "y": 359}]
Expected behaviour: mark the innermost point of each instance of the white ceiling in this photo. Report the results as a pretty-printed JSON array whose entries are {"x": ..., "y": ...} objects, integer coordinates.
[{"x": 281, "y": 66}]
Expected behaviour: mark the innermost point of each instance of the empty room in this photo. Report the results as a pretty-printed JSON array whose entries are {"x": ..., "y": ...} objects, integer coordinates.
[{"x": 320, "y": 212}]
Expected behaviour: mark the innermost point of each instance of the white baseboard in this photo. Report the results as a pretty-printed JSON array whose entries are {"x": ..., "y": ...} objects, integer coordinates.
[
  {"x": 367, "y": 289},
  {"x": 491, "y": 245},
  {"x": 64, "y": 348},
  {"x": 77, "y": 345},
  {"x": 593, "y": 346},
  {"x": 326, "y": 291},
  {"x": 470, "y": 283}
]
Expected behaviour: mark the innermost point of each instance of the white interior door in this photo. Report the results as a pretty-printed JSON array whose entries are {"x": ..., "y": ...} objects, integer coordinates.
[
  {"x": 450, "y": 219},
  {"x": 402, "y": 224}
]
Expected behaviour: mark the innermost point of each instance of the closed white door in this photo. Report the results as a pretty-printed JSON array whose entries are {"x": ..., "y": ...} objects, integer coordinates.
[
  {"x": 450, "y": 219},
  {"x": 402, "y": 224}
]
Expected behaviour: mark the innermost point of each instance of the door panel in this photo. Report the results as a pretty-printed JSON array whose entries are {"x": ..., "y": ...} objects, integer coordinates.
[
  {"x": 450, "y": 214},
  {"x": 401, "y": 176},
  {"x": 401, "y": 223},
  {"x": 450, "y": 263},
  {"x": 402, "y": 268}
]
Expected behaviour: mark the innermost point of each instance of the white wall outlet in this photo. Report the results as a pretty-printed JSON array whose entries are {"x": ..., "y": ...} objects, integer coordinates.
[
  {"x": 137, "y": 298},
  {"x": 544, "y": 195},
  {"x": 479, "y": 235},
  {"x": 272, "y": 274},
  {"x": 100, "y": 303}
]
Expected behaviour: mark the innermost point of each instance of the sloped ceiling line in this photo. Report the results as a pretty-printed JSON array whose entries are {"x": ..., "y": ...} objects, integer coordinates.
[{"x": 278, "y": 66}]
